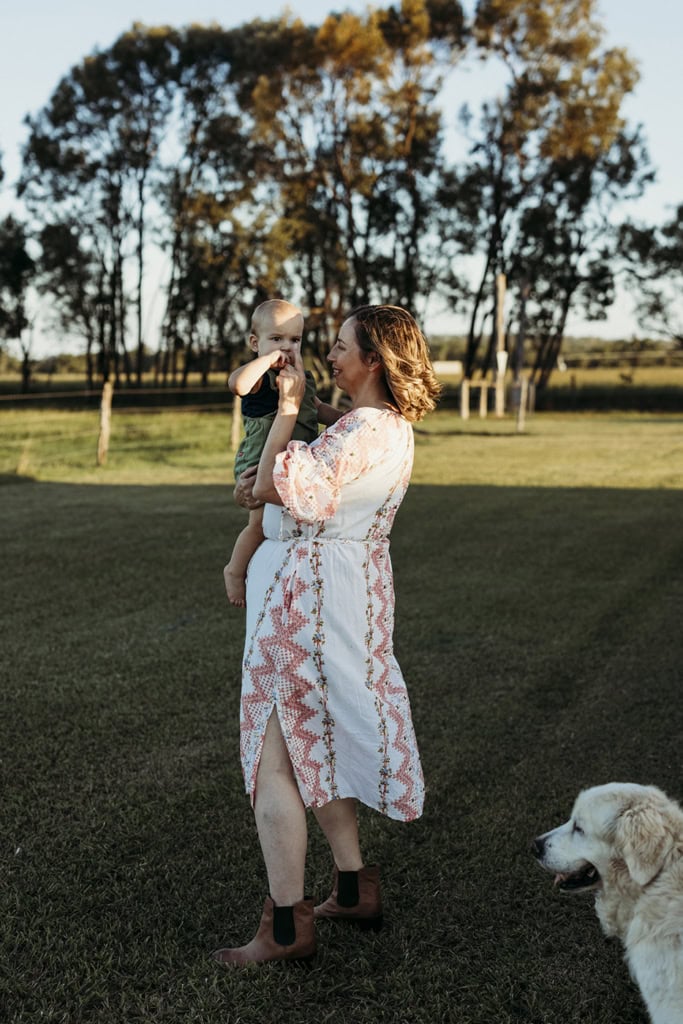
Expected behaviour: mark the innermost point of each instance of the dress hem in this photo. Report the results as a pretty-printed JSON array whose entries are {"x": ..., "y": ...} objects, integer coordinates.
[{"x": 313, "y": 805}]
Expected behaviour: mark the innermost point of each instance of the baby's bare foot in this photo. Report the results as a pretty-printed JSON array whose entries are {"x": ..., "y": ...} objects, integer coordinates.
[{"x": 235, "y": 587}]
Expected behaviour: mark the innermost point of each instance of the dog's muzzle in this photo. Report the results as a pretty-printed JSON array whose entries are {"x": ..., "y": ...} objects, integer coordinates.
[{"x": 586, "y": 878}]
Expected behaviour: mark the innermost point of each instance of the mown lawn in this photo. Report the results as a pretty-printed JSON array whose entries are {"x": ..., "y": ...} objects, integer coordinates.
[{"x": 539, "y": 584}]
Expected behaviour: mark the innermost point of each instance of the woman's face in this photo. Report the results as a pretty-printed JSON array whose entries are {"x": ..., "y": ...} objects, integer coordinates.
[{"x": 346, "y": 357}]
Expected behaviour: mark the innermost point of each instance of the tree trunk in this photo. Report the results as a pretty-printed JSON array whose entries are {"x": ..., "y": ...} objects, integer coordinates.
[
  {"x": 174, "y": 362},
  {"x": 555, "y": 343},
  {"x": 104, "y": 350},
  {"x": 165, "y": 361},
  {"x": 167, "y": 331},
  {"x": 488, "y": 358},
  {"x": 121, "y": 319},
  {"x": 113, "y": 340},
  {"x": 189, "y": 347},
  {"x": 25, "y": 372},
  {"x": 472, "y": 339},
  {"x": 89, "y": 364},
  {"x": 141, "y": 239},
  {"x": 521, "y": 332},
  {"x": 206, "y": 364}
]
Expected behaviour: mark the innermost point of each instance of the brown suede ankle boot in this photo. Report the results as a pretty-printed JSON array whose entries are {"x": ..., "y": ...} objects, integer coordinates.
[
  {"x": 366, "y": 912},
  {"x": 264, "y": 947}
]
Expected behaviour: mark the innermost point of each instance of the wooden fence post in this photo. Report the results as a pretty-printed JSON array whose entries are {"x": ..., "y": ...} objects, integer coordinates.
[
  {"x": 465, "y": 399},
  {"x": 484, "y": 399},
  {"x": 105, "y": 422}
]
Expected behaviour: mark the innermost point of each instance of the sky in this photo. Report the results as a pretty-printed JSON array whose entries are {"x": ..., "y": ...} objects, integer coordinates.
[{"x": 40, "y": 40}]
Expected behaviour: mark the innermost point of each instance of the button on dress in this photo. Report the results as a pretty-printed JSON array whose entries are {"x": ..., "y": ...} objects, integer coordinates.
[{"x": 320, "y": 618}]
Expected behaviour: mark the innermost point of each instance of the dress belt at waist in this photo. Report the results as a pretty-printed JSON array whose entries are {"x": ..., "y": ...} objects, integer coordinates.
[{"x": 312, "y": 538}]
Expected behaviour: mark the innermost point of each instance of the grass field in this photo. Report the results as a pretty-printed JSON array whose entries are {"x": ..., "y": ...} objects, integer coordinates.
[{"x": 539, "y": 584}]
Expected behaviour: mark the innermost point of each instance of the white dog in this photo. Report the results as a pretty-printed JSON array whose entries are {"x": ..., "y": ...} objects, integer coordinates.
[{"x": 626, "y": 842}]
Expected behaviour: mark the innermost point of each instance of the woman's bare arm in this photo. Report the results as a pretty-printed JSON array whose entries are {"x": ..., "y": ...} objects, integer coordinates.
[{"x": 291, "y": 385}]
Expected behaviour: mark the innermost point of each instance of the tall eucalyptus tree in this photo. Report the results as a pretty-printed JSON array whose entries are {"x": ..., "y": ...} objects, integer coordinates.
[
  {"x": 88, "y": 161},
  {"x": 352, "y": 140},
  {"x": 545, "y": 158}
]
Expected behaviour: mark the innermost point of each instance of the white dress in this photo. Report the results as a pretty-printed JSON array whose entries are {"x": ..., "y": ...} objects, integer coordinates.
[{"x": 320, "y": 617}]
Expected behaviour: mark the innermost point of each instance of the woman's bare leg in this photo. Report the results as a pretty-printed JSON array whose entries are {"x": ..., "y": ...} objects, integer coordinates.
[
  {"x": 280, "y": 819},
  {"x": 339, "y": 822}
]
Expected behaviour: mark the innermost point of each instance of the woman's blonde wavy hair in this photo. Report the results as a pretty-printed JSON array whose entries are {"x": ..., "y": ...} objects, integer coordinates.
[{"x": 393, "y": 334}]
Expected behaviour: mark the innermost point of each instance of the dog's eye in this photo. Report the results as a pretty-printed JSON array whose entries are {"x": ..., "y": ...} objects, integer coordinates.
[{"x": 577, "y": 829}]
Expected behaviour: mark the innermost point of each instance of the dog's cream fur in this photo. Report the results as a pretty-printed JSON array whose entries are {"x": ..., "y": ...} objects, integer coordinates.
[{"x": 626, "y": 842}]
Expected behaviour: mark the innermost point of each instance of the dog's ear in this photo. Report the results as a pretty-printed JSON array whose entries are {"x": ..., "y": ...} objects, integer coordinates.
[{"x": 643, "y": 840}]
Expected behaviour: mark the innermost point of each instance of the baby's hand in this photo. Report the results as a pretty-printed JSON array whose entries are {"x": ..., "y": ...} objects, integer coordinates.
[{"x": 278, "y": 359}]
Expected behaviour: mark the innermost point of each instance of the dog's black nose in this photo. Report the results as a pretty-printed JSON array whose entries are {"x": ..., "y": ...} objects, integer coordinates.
[{"x": 537, "y": 846}]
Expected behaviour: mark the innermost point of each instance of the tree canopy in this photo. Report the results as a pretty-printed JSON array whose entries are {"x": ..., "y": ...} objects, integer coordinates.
[
  {"x": 311, "y": 161},
  {"x": 653, "y": 261}
]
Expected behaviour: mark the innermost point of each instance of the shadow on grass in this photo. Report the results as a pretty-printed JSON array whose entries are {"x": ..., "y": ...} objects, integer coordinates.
[
  {"x": 68, "y": 396},
  {"x": 539, "y": 632},
  {"x": 15, "y": 478}
]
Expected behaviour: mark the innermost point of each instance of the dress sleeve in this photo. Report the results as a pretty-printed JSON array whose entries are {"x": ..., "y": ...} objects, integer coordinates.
[{"x": 309, "y": 478}]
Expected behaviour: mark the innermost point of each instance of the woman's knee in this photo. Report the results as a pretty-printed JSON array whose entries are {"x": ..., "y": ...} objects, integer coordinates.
[
  {"x": 275, "y": 772},
  {"x": 274, "y": 754}
]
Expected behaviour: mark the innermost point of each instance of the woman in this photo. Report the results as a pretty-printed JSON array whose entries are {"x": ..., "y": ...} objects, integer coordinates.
[{"x": 325, "y": 717}]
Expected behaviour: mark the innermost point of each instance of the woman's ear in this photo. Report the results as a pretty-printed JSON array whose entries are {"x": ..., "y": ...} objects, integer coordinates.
[{"x": 372, "y": 360}]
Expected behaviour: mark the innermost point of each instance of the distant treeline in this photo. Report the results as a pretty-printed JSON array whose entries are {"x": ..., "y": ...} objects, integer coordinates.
[{"x": 577, "y": 352}]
